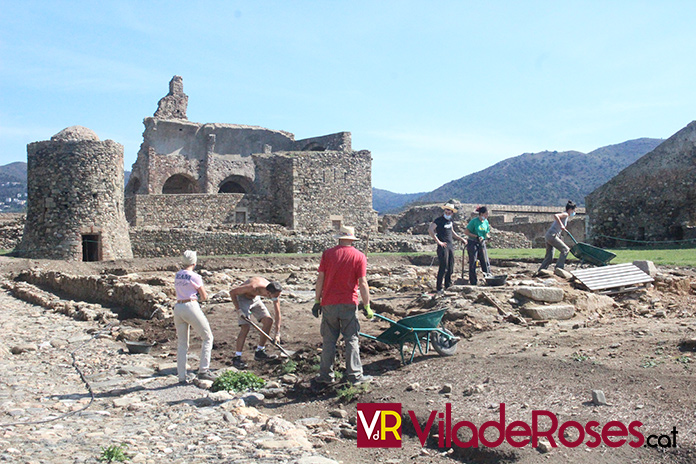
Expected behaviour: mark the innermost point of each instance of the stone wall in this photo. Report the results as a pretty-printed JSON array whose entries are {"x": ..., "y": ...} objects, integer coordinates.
[
  {"x": 140, "y": 299},
  {"x": 652, "y": 200},
  {"x": 532, "y": 221},
  {"x": 75, "y": 188},
  {"x": 333, "y": 186},
  {"x": 152, "y": 243},
  {"x": 194, "y": 210}
]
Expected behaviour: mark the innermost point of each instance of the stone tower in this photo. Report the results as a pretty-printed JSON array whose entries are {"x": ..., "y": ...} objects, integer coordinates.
[{"x": 75, "y": 199}]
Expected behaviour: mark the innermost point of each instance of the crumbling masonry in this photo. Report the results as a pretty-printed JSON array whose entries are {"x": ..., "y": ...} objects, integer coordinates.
[{"x": 197, "y": 175}]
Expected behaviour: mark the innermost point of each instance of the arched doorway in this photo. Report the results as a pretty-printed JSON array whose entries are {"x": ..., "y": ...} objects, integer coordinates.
[
  {"x": 178, "y": 184},
  {"x": 235, "y": 184}
]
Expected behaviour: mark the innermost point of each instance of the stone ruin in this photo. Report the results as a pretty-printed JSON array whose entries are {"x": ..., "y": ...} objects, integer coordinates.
[
  {"x": 75, "y": 199},
  {"x": 195, "y": 175},
  {"x": 652, "y": 200}
]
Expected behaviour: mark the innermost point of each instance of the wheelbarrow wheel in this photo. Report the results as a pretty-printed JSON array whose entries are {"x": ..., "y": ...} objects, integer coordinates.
[{"x": 445, "y": 345}]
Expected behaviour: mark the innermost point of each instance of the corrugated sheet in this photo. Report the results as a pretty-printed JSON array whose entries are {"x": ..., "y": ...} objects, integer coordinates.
[{"x": 612, "y": 276}]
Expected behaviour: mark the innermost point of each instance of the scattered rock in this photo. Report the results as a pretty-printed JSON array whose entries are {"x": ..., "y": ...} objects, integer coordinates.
[
  {"x": 562, "y": 273},
  {"x": 598, "y": 398},
  {"x": 252, "y": 398},
  {"x": 24, "y": 348},
  {"x": 446, "y": 388},
  {"x": 338, "y": 412},
  {"x": 413, "y": 387},
  {"x": 544, "y": 446}
]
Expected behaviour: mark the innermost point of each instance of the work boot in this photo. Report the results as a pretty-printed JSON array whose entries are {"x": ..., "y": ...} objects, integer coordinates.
[{"x": 238, "y": 363}]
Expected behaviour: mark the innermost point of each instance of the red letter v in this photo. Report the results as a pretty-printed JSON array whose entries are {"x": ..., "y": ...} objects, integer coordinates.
[{"x": 422, "y": 433}]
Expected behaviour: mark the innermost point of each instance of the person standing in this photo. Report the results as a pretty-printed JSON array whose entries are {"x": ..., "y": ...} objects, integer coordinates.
[
  {"x": 187, "y": 313},
  {"x": 442, "y": 230},
  {"x": 247, "y": 300},
  {"x": 554, "y": 240},
  {"x": 342, "y": 273},
  {"x": 478, "y": 230}
]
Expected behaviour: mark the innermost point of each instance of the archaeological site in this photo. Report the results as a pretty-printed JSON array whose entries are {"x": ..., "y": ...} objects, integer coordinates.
[{"x": 89, "y": 346}]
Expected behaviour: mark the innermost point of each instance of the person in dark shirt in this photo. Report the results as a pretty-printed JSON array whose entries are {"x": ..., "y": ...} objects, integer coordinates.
[{"x": 442, "y": 230}]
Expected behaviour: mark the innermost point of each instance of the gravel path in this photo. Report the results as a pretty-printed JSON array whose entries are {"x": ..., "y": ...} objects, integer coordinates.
[{"x": 138, "y": 402}]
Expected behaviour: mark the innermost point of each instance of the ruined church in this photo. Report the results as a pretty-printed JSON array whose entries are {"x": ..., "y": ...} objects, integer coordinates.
[{"x": 196, "y": 175}]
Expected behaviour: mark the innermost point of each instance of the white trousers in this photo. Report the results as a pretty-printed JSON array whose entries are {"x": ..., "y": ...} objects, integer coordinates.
[{"x": 190, "y": 315}]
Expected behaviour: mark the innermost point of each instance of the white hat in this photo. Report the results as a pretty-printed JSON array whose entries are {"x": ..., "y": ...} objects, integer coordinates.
[
  {"x": 346, "y": 233},
  {"x": 190, "y": 257}
]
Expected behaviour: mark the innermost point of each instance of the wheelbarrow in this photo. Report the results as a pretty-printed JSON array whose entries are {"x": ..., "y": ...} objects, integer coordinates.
[
  {"x": 418, "y": 330},
  {"x": 587, "y": 253}
]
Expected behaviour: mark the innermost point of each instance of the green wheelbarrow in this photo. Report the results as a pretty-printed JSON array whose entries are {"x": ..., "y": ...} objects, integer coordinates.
[
  {"x": 590, "y": 254},
  {"x": 418, "y": 330}
]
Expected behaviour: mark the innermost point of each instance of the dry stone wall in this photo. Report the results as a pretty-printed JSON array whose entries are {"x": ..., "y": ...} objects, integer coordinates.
[{"x": 652, "y": 200}]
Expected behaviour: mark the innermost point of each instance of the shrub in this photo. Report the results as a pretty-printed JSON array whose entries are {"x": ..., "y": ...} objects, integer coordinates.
[
  {"x": 238, "y": 382},
  {"x": 114, "y": 453}
]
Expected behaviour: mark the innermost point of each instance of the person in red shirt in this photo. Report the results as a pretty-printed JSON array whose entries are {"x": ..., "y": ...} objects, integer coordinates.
[{"x": 342, "y": 272}]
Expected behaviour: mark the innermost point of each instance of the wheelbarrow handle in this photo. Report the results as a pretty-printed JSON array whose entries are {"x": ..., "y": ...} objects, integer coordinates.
[{"x": 571, "y": 236}]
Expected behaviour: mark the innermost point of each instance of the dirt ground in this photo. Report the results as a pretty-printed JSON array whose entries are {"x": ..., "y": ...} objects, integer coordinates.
[{"x": 630, "y": 351}]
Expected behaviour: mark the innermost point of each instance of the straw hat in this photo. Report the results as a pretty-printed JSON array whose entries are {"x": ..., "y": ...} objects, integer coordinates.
[
  {"x": 449, "y": 206},
  {"x": 346, "y": 233}
]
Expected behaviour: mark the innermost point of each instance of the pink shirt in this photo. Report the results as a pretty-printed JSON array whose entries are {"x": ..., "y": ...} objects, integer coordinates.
[{"x": 187, "y": 284}]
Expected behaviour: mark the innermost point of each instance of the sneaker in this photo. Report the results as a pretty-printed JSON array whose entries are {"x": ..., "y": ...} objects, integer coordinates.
[
  {"x": 189, "y": 378},
  {"x": 238, "y": 363},
  {"x": 323, "y": 381},
  {"x": 261, "y": 355},
  {"x": 362, "y": 379},
  {"x": 205, "y": 375}
]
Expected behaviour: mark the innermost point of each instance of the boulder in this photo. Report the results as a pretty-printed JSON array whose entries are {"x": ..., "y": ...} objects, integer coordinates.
[{"x": 646, "y": 266}]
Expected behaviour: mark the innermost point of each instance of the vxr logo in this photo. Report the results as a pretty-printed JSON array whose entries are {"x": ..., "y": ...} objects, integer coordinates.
[{"x": 379, "y": 425}]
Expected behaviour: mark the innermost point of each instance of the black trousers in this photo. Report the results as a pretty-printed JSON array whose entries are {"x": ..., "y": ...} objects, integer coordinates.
[
  {"x": 445, "y": 256},
  {"x": 477, "y": 251}
]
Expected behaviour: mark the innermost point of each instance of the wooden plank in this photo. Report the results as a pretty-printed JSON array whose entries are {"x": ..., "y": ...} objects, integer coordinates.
[{"x": 613, "y": 276}]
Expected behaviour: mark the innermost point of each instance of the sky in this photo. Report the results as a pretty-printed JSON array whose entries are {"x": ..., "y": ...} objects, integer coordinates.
[{"x": 435, "y": 90}]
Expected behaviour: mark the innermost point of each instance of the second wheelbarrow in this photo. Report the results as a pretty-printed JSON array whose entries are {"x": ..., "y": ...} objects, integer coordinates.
[
  {"x": 590, "y": 254},
  {"x": 418, "y": 330}
]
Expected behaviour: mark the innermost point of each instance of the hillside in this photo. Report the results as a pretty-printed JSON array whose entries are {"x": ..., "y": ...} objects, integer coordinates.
[
  {"x": 545, "y": 178},
  {"x": 13, "y": 187},
  {"x": 384, "y": 201}
]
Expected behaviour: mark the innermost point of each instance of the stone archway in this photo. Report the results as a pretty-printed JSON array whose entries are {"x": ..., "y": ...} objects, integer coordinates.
[
  {"x": 180, "y": 184},
  {"x": 235, "y": 184}
]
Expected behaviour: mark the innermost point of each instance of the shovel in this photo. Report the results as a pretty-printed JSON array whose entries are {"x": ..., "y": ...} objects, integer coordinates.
[{"x": 277, "y": 345}]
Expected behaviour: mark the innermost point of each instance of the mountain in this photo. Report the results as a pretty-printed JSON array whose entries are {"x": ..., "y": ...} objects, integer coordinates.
[
  {"x": 546, "y": 178},
  {"x": 384, "y": 201},
  {"x": 13, "y": 187},
  {"x": 14, "y": 172}
]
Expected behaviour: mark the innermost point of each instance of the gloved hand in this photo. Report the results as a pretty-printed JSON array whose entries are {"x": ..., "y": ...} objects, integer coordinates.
[
  {"x": 316, "y": 309},
  {"x": 368, "y": 312}
]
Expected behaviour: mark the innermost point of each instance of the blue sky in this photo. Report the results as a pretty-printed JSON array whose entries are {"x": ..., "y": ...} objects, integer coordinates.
[{"x": 435, "y": 90}]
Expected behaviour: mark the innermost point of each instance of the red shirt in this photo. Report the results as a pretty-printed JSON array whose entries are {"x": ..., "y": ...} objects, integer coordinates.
[{"x": 342, "y": 267}]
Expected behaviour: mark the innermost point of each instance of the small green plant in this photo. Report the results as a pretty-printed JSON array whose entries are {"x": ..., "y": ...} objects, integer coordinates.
[
  {"x": 289, "y": 367},
  {"x": 580, "y": 357},
  {"x": 238, "y": 382},
  {"x": 348, "y": 393},
  {"x": 683, "y": 360},
  {"x": 648, "y": 363},
  {"x": 114, "y": 453}
]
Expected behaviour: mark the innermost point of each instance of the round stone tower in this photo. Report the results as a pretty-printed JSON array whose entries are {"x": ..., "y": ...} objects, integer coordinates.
[{"x": 75, "y": 199}]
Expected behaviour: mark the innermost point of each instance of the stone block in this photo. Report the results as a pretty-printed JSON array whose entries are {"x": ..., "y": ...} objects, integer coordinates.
[
  {"x": 557, "y": 312},
  {"x": 543, "y": 294},
  {"x": 646, "y": 266}
]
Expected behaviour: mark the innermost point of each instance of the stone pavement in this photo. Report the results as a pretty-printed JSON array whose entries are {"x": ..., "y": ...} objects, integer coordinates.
[{"x": 138, "y": 402}]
